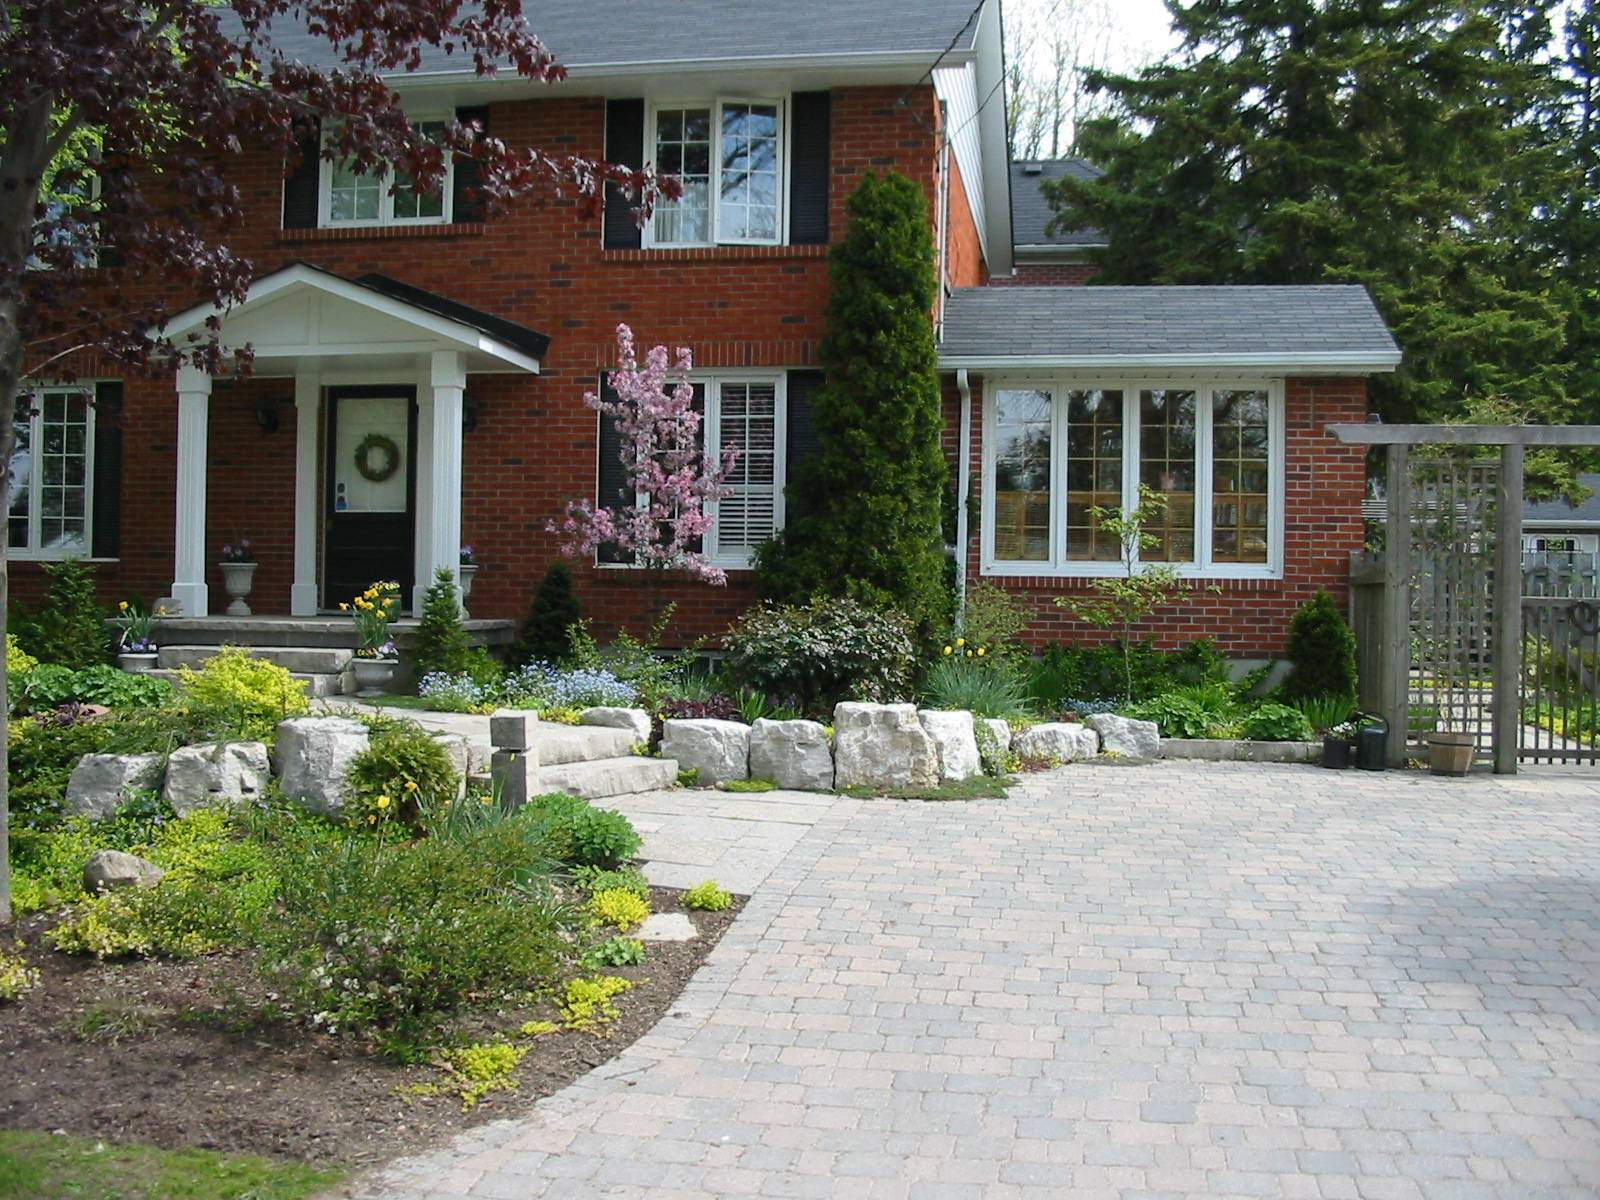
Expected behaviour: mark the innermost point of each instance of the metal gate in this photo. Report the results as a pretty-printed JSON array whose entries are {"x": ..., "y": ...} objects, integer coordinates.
[{"x": 1559, "y": 703}]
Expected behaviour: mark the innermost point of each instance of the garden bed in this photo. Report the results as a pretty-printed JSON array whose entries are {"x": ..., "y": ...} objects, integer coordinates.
[{"x": 188, "y": 1054}]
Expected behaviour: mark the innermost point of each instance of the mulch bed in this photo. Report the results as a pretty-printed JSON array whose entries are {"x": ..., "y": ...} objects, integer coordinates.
[{"x": 199, "y": 1067}]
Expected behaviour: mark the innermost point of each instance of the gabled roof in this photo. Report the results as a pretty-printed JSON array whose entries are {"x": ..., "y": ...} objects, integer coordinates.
[
  {"x": 1557, "y": 510},
  {"x": 597, "y": 34},
  {"x": 1326, "y": 328},
  {"x": 1031, "y": 213},
  {"x": 519, "y": 337}
]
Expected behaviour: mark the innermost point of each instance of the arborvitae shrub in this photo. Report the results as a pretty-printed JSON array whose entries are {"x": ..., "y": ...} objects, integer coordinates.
[
  {"x": 441, "y": 638},
  {"x": 546, "y": 634},
  {"x": 69, "y": 629},
  {"x": 1322, "y": 649}
]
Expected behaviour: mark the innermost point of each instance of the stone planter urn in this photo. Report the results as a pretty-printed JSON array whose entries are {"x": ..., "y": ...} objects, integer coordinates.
[
  {"x": 374, "y": 674},
  {"x": 136, "y": 662},
  {"x": 466, "y": 573},
  {"x": 1451, "y": 753},
  {"x": 237, "y": 580}
]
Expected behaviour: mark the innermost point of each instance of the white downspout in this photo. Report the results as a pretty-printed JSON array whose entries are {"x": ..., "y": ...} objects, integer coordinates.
[{"x": 963, "y": 492}]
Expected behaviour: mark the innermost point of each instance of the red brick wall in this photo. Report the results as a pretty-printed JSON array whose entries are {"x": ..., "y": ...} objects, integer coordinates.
[
  {"x": 964, "y": 265},
  {"x": 1325, "y": 483},
  {"x": 534, "y": 445},
  {"x": 1056, "y": 274}
]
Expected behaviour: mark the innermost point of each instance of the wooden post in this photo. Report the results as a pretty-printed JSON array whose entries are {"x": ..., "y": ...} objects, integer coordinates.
[
  {"x": 1396, "y": 653},
  {"x": 1507, "y": 631}
]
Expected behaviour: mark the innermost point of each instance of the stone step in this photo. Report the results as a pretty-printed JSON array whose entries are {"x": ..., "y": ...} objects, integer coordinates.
[
  {"x": 298, "y": 660},
  {"x": 609, "y": 777},
  {"x": 559, "y": 744}
]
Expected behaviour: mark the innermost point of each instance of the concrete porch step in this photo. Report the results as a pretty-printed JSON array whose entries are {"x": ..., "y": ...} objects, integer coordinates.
[
  {"x": 297, "y": 660},
  {"x": 597, "y": 779},
  {"x": 560, "y": 744}
]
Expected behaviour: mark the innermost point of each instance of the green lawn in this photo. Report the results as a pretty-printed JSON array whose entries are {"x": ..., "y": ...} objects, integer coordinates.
[{"x": 39, "y": 1166}]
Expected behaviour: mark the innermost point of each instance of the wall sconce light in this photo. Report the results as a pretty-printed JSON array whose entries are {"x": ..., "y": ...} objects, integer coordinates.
[{"x": 267, "y": 417}]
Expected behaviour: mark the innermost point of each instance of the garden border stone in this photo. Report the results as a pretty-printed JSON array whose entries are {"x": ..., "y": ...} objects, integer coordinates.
[
  {"x": 101, "y": 783},
  {"x": 215, "y": 774},
  {"x": 718, "y": 750},
  {"x": 312, "y": 757},
  {"x": 635, "y": 720},
  {"x": 882, "y": 746},
  {"x": 955, "y": 741},
  {"x": 795, "y": 755},
  {"x": 1234, "y": 750}
]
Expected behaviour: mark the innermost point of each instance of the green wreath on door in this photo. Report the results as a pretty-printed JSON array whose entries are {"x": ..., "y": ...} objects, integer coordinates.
[{"x": 388, "y": 464}]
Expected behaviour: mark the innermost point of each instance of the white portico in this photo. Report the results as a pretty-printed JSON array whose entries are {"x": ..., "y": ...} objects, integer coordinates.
[{"x": 358, "y": 352}]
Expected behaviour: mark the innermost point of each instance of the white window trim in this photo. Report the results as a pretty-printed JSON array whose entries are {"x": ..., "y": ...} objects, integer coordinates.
[
  {"x": 711, "y": 426},
  {"x": 31, "y": 553},
  {"x": 1060, "y": 566},
  {"x": 716, "y": 105},
  {"x": 385, "y": 177}
]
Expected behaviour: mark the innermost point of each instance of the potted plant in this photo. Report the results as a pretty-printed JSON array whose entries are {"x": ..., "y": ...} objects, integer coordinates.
[
  {"x": 136, "y": 647},
  {"x": 469, "y": 569},
  {"x": 1450, "y": 752},
  {"x": 238, "y": 575},
  {"x": 1338, "y": 745},
  {"x": 375, "y": 659}
]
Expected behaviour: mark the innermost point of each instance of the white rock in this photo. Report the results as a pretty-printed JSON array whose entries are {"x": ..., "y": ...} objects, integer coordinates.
[
  {"x": 635, "y": 720},
  {"x": 882, "y": 746},
  {"x": 218, "y": 775},
  {"x": 465, "y": 758},
  {"x": 101, "y": 783},
  {"x": 1126, "y": 736},
  {"x": 109, "y": 869},
  {"x": 793, "y": 754},
  {"x": 1065, "y": 741},
  {"x": 1000, "y": 729},
  {"x": 955, "y": 741},
  {"x": 719, "y": 750},
  {"x": 312, "y": 760},
  {"x": 667, "y": 927}
]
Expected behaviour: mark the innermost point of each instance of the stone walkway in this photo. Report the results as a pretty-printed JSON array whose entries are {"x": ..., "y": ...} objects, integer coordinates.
[{"x": 1176, "y": 980}]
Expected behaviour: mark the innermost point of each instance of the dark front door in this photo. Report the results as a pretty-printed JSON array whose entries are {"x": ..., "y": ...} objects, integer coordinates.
[{"x": 371, "y": 518}]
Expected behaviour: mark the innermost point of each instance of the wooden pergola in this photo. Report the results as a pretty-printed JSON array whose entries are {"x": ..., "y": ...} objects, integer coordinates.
[{"x": 1513, "y": 441}]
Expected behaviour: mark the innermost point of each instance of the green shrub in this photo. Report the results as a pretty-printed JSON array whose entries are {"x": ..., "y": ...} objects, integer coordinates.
[
  {"x": 1275, "y": 723},
  {"x": 402, "y": 771},
  {"x": 43, "y": 751},
  {"x": 708, "y": 897},
  {"x": 1322, "y": 713},
  {"x": 985, "y": 687},
  {"x": 614, "y": 952},
  {"x": 1322, "y": 649},
  {"x": 546, "y": 634},
  {"x": 580, "y": 835},
  {"x": 994, "y": 618},
  {"x": 1197, "y": 711},
  {"x": 69, "y": 629},
  {"x": 619, "y": 909},
  {"x": 441, "y": 638},
  {"x": 601, "y": 879},
  {"x": 1068, "y": 673},
  {"x": 48, "y": 685},
  {"x": 17, "y": 978},
  {"x": 18, "y": 660},
  {"x": 235, "y": 696},
  {"x": 814, "y": 656}
]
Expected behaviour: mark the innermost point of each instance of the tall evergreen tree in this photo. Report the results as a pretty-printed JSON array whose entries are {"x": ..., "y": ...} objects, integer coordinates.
[
  {"x": 865, "y": 510},
  {"x": 1322, "y": 141}
]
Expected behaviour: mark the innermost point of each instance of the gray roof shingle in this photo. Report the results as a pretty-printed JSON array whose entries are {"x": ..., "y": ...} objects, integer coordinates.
[
  {"x": 1030, "y": 213},
  {"x": 592, "y": 33},
  {"x": 1559, "y": 510},
  {"x": 1334, "y": 324}
]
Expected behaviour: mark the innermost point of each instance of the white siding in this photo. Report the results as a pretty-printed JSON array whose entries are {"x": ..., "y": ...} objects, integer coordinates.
[{"x": 958, "y": 88}]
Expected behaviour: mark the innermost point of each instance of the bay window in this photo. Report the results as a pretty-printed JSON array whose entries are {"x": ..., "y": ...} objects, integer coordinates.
[
  {"x": 728, "y": 156},
  {"x": 1059, "y": 453},
  {"x": 51, "y": 475}
]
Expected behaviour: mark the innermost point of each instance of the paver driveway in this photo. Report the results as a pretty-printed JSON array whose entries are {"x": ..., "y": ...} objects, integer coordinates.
[{"x": 1218, "y": 980}]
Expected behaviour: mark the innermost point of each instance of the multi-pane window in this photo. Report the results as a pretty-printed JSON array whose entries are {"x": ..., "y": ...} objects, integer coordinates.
[
  {"x": 729, "y": 158},
  {"x": 745, "y": 418},
  {"x": 383, "y": 197},
  {"x": 1060, "y": 455},
  {"x": 51, "y": 474}
]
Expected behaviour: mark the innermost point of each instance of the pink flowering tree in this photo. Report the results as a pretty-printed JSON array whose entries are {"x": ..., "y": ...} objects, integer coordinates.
[{"x": 666, "y": 468}]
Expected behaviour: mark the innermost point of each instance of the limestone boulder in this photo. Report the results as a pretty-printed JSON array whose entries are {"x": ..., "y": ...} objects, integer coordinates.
[
  {"x": 955, "y": 741},
  {"x": 793, "y": 754},
  {"x": 883, "y": 747},
  {"x": 219, "y": 775},
  {"x": 108, "y": 870},
  {"x": 101, "y": 783},
  {"x": 1063, "y": 741},
  {"x": 312, "y": 758},
  {"x": 1126, "y": 736},
  {"x": 999, "y": 729},
  {"x": 635, "y": 720},
  {"x": 718, "y": 750},
  {"x": 465, "y": 758}
]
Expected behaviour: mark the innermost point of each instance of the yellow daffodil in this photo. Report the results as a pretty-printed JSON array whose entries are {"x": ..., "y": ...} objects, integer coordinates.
[
  {"x": 382, "y": 802},
  {"x": 371, "y": 820},
  {"x": 411, "y": 785},
  {"x": 344, "y": 608},
  {"x": 961, "y": 641},
  {"x": 947, "y": 650},
  {"x": 122, "y": 605},
  {"x": 981, "y": 651}
]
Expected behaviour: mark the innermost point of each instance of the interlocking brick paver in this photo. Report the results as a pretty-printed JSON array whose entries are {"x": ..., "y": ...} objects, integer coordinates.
[{"x": 1179, "y": 980}]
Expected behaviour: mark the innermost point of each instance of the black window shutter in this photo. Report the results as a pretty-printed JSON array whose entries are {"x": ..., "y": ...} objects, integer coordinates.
[
  {"x": 105, "y": 539},
  {"x": 698, "y": 545},
  {"x": 611, "y": 487},
  {"x": 624, "y": 145},
  {"x": 462, "y": 206},
  {"x": 301, "y": 191},
  {"x": 811, "y": 114},
  {"x": 801, "y": 430}
]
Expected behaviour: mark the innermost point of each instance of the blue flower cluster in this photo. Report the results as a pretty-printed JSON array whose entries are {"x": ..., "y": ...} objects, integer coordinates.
[
  {"x": 1088, "y": 708},
  {"x": 456, "y": 693},
  {"x": 585, "y": 687}
]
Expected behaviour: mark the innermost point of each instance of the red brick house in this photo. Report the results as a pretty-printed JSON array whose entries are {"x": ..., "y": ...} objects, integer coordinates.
[{"x": 383, "y": 319}]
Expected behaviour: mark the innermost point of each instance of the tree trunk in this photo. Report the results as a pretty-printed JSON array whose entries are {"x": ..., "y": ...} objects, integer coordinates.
[{"x": 22, "y": 166}]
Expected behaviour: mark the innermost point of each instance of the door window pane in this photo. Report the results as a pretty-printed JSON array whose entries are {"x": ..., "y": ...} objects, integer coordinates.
[
  {"x": 1094, "y": 472},
  {"x": 1240, "y": 453},
  {"x": 683, "y": 149},
  {"x": 1022, "y": 476},
  {"x": 1167, "y": 466},
  {"x": 747, "y": 422},
  {"x": 747, "y": 205}
]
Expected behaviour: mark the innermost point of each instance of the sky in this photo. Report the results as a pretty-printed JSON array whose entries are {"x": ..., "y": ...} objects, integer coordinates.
[{"x": 1144, "y": 30}]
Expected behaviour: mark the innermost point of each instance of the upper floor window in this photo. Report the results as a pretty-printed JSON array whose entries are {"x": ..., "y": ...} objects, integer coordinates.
[
  {"x": 51, "y": 478},
  {"x": 729, "y": 156},
  {"x": 1059, "y": 453},
  {"x": 387, "y": 197}
]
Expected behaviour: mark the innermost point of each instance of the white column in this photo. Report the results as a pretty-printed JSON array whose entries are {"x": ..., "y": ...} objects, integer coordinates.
[
  {"x": 189, "y": 557},
  {"x": 448, "y": 377},
  {"x": 423, "y": 556},
  {"x": 304, "y": 596}
]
